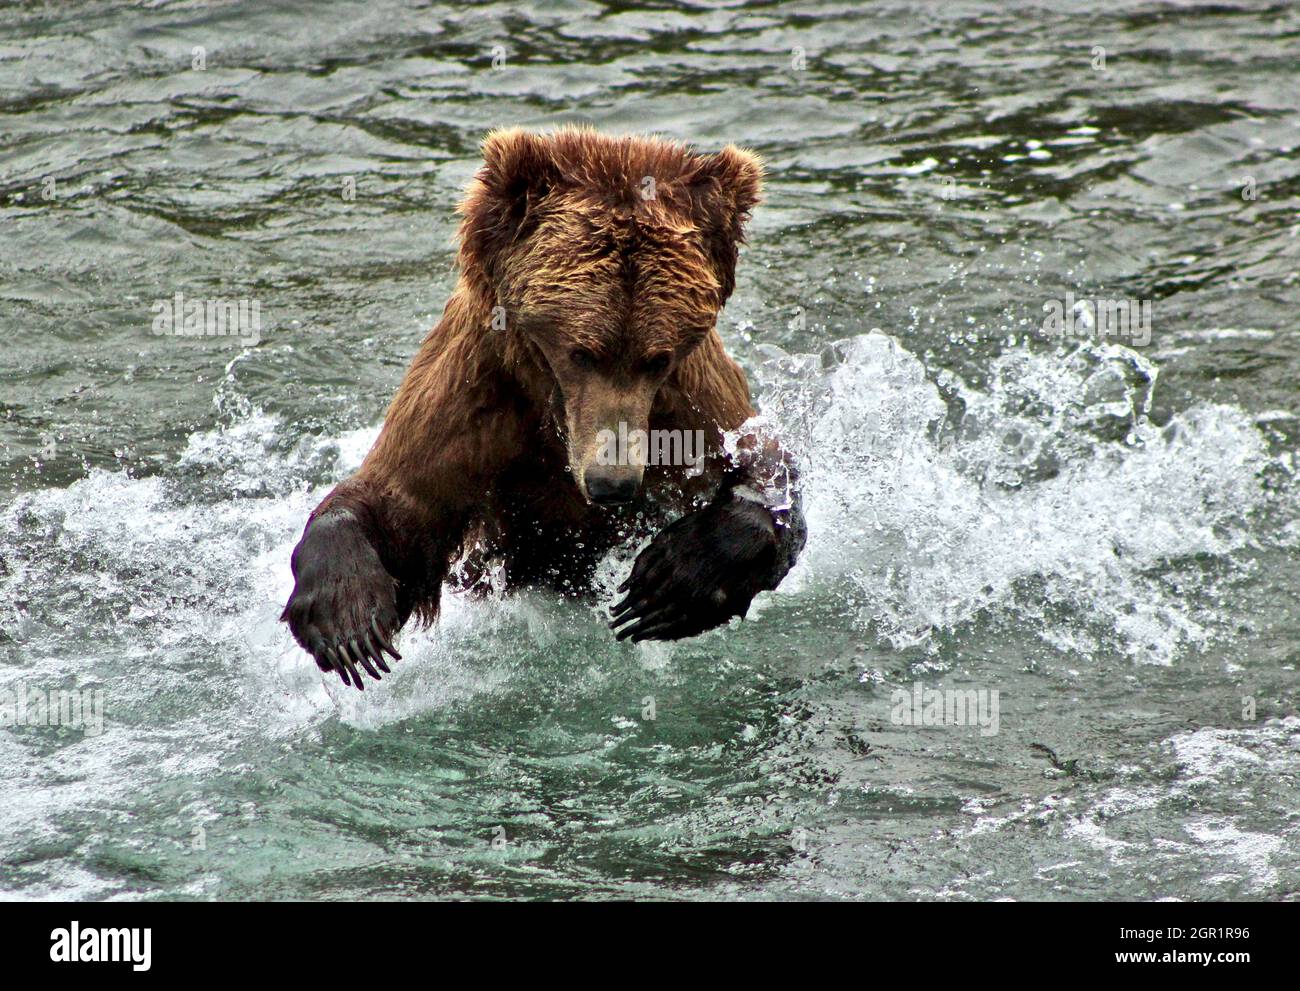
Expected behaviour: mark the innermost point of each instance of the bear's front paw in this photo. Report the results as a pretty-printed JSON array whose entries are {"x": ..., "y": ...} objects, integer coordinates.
[
  {"x": 343, "y": 610},
  {"x": 699, "y": 572}
]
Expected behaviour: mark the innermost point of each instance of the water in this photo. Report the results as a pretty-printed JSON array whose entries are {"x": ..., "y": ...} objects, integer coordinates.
[{"x": 1104, "y": 535}]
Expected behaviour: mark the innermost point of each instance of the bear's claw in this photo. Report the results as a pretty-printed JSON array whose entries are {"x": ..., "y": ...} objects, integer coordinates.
[
  {"x": 698, "y": 573},
  {"x": 366, "y": 649}
]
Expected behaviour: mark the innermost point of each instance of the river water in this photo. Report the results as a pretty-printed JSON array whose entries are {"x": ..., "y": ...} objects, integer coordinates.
[{"x": 1098, "y": 535}]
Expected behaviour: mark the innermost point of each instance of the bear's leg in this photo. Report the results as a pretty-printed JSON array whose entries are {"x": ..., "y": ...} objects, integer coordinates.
[{"x": 378, "y": 549}]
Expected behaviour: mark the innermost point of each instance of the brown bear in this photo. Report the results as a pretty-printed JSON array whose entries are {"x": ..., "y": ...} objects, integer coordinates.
[{"x": 592, "y": 270}]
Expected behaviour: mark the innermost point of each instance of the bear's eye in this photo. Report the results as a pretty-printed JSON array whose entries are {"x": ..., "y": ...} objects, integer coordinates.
[
  {"x": 656, "y": 365},
  {"x": 582, "y": 358}
]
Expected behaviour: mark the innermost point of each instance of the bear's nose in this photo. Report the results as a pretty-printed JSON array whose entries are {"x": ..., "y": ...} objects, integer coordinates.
[{"x": 612, "y": 485}]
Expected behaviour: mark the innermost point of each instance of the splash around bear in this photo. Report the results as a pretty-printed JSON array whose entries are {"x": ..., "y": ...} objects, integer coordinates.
[{"x": 592, "y": 270}]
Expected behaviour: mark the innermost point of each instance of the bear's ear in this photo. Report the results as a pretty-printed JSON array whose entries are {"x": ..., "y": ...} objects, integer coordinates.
[
  {"x": 727, "y": 186},
  {"x": 518, "y": 171}
]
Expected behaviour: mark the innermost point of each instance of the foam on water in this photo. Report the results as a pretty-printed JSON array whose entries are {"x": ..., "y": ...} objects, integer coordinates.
[
  {"x": 1182, "y": 809},
  {"x": 1048, "y": 494}
]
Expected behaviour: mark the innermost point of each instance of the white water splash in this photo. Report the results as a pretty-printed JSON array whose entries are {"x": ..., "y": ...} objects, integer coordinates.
[{"x": 1049, "y": 493}]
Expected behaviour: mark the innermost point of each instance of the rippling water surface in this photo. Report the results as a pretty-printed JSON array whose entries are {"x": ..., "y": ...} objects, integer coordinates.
[{"x": 1104, "y": 535}]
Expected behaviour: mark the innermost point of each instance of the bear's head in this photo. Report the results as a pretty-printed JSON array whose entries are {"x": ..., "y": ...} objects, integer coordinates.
[{"x": 605, "y": 261}]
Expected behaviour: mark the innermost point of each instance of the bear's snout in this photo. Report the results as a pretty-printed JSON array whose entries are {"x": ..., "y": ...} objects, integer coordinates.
[{"x": 611, "y": 484}]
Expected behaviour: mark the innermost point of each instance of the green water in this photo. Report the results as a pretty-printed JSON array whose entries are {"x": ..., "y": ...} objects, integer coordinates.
[{"x": 1105, "y": 536}]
